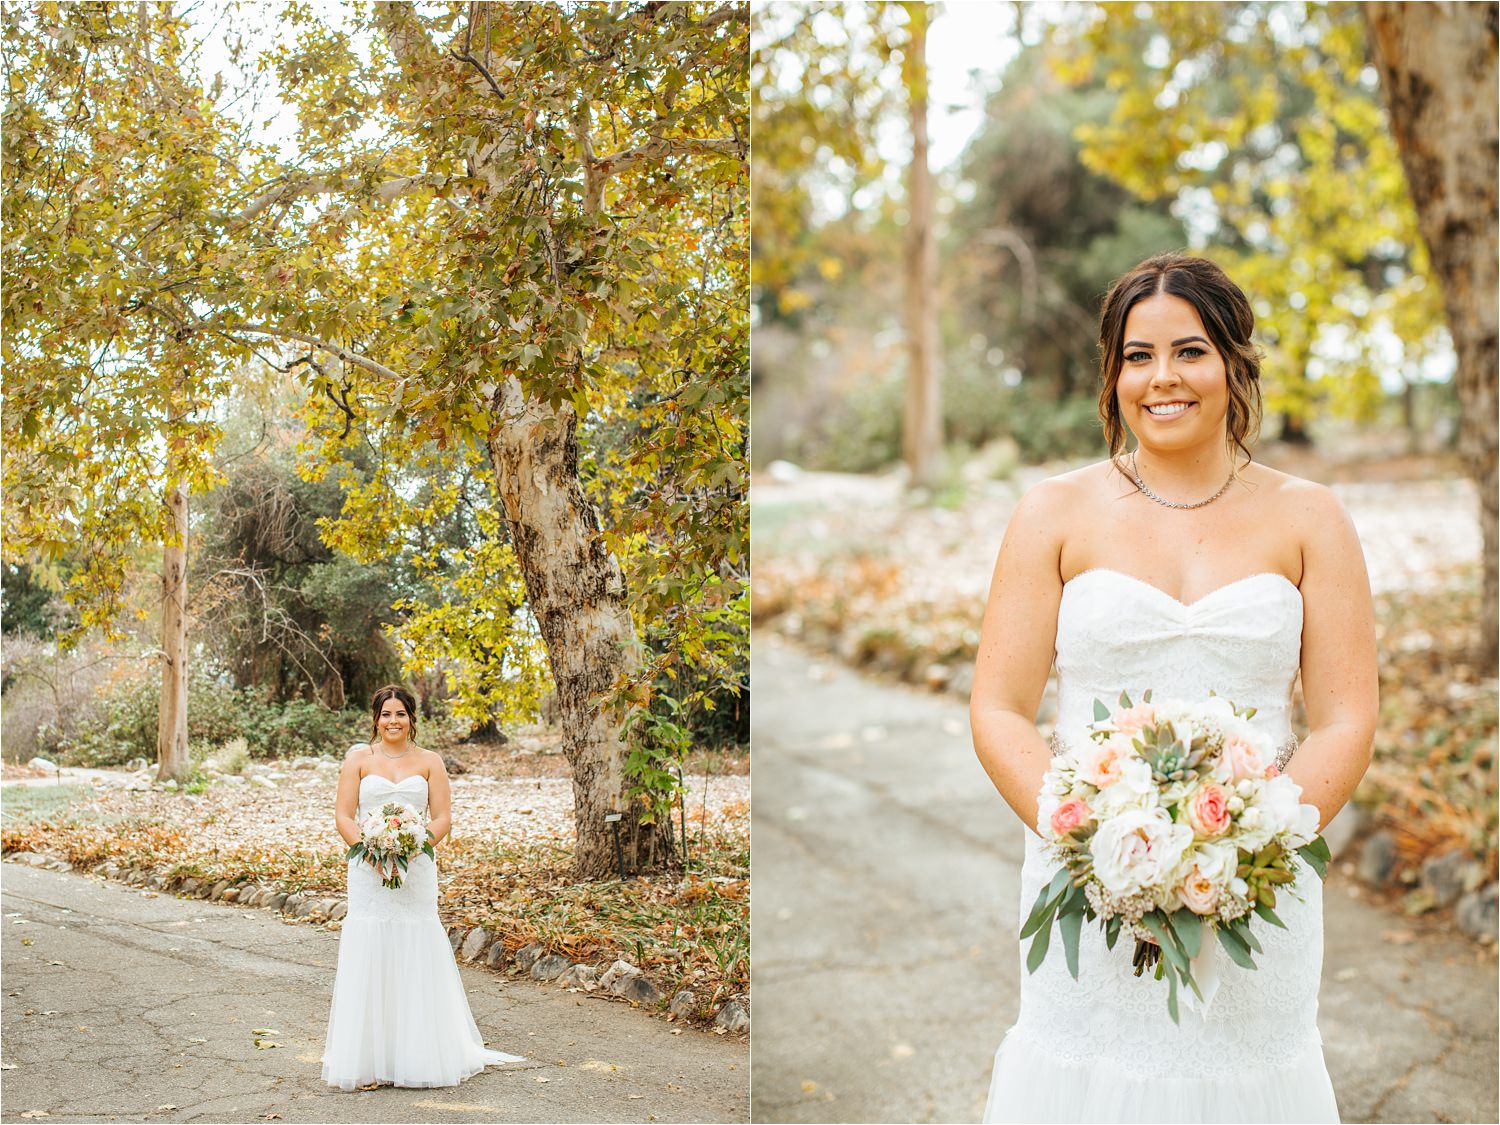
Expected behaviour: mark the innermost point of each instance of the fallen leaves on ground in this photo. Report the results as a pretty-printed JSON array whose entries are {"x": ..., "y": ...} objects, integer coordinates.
[{"x": 505, "y": 871}]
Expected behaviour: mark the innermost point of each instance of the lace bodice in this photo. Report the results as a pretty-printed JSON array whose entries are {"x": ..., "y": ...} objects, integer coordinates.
[
  {"x": 375, "y": 791},
  {"x": 1118, "y": 633},
  {"x": 1243, "y": 640}
]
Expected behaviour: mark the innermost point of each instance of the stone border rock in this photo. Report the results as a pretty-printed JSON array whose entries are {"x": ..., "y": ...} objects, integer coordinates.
[
  {"x": 473, "y": 945},
  {"x": 621, "y": 979}
]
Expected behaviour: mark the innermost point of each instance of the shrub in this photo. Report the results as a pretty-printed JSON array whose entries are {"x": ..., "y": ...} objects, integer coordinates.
[{"x": 121, "y": 724}]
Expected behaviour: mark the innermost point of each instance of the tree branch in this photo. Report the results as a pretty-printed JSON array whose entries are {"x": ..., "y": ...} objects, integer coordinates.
[
  {"x": 658, "y": 147},
  {"x": 318, "y": 185},
  {"x": 343, "y": 353}
]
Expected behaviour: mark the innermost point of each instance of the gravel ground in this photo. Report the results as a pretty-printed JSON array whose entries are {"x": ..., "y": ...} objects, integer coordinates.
[{"x": 300, "y": 806}]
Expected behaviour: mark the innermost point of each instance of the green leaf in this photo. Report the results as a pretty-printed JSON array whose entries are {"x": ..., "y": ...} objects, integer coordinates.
[
  {"x": 1269, "y": 915},
  {"x": 1068, "y": 927},
  {"x": 1125, "y": 700},
  {"x": 1101, "y": 712},
  {"x": 1314, "y": 860},
  {"x": 1046, "y": 901},
  {"x": 1038, "y": 950},
  {"x": 1238, "y": 952},
  {"x": 1172, "y": 996},
  {"x": 1188, "y": 930},
  {"x": 1241, "y": 928},
  {"x": 1112, "y": 931},
  {"x": 1170, "y": 949}
]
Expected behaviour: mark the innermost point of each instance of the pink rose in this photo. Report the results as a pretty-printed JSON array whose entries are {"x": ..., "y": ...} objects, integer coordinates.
[
  {"x": 1208, "y": 811},
  {"x": 1272, "y": 771},
  {"x": 1200, "y": 894},
  {"x": 1242, "y": 758},
  {"x": 1101, "y": 766},
  {"x": 1133, "y": 719},
  {"x": 1069, "y": 815}
]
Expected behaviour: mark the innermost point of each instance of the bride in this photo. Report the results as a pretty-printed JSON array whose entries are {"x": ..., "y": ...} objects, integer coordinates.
[
  {"x": 1182, "y": 567},
  {"x": 399, "y": 1014}
]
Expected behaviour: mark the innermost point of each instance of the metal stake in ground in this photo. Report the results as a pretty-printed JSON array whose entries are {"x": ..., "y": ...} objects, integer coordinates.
[{"x": 613, "y": 820}]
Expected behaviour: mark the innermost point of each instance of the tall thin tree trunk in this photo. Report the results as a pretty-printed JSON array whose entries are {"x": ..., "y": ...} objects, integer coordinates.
[
  {"x": 171, "y": 721},
  {"x": 923, "y": 434},
  {"x": 1437, "y": 65},
  {"x": 576, "y": 590}
]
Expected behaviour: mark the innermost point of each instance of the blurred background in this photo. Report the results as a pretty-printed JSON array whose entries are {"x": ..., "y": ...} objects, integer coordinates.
[{"x": 942, "y": 194}]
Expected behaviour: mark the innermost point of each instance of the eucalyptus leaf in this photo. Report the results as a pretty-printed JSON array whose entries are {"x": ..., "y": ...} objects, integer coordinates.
[
  {"x": 1189, "y": 930},
  {"x": 1238, "y": 952},
  {"x": 1269, "y": 915},
  {"x": 1068, "y": 927},
  {"x": 1038, "y": 950}
]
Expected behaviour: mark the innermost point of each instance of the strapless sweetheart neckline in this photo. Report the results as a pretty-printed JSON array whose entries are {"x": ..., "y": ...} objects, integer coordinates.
[
  {"x": 392, "y": 784},
  {"x": 1217, "y": 590}
]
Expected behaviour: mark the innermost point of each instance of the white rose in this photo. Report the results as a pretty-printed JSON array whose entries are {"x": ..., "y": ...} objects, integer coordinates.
[
  {"x": 1215, "y": 862},
  {"x": 1138, "y": 848},
  {"x": 1133, "y": 790},
  {"x": 1218, "y": 708},
  {"x": 1252, "y": 830},
  {"x": 1281, "y": 801}
]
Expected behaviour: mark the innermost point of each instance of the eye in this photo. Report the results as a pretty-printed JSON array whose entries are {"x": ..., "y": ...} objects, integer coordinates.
[
  {"x": 1192, "y": 351},
  {"x": 1136, "y": 356}
]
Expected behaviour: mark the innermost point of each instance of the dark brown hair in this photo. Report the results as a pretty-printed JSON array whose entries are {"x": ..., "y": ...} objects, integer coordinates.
[
  {"x": 392, "y": 691},
  {"x": 1226, "y": 315}
]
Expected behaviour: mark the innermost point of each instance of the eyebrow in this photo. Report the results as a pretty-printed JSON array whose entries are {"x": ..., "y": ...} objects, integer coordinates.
[{"x": 1175, "y": 343}]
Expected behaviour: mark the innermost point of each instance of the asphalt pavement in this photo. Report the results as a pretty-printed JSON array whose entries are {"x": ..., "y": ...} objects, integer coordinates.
[
  {"x": 127, "y": 1005},
  {"x": 885, "y": 912}
]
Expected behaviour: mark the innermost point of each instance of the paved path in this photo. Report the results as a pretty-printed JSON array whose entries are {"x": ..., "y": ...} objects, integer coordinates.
[
  {"x": 886, "y": 970},
  {"x": 125, "y": 1006}
]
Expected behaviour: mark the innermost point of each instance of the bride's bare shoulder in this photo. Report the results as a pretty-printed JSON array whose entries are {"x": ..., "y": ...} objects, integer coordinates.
[
  {"x": 1293, "y": 496},
  {"x": 1088, "y": 483}
]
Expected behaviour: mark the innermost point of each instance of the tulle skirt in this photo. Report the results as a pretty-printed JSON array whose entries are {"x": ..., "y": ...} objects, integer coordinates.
[
  {"x": 1031, "y": 1085},
  {"x": 399, "y": 1012}
]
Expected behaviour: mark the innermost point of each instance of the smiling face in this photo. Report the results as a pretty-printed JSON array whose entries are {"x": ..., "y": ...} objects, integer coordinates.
[
  {"x": 393, "y": 723},
  {"x": 1172, "y": 390}
]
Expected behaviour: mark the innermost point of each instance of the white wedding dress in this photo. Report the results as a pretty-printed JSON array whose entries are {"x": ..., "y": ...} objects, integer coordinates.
[
  {"x": 399, "y": 1012},
  {"x": 1102, "y": 1048}
]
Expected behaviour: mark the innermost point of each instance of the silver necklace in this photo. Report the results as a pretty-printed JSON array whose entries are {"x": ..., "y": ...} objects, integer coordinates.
[
  {"x": 1135, "y": 472},
  {"x": 403, "y": 753}
]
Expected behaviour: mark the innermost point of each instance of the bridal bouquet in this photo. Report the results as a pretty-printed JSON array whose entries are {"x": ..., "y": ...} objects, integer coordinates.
[
  {"x": 391, "y": 836},
  {"x": 1174, "y": 820}
]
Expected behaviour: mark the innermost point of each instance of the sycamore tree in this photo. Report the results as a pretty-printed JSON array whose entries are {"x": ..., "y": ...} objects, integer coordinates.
[
  {"x": 504, "y": 228},
  {"x": 1268, "y": 126}
]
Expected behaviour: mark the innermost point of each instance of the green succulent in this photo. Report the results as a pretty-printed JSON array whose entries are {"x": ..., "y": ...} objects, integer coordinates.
[
  {"x": 1169, "y": 759},
  {"x": 1264, "y": 871}
]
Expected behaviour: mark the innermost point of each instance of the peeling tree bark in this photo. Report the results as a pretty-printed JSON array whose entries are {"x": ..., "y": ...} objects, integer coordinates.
[
  {"x": 1437, "y": 65},
  {"x": 171, "y": 722},
  {"x": 576, "y": 590}
]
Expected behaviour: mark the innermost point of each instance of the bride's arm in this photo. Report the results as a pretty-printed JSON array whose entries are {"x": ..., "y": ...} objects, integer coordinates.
[
  {"x": 346, "y": 802},
  {"x": 1016, "y": 649},
  {"x": 1340, "y": 677},
  {"x": 439, "y": 799}
]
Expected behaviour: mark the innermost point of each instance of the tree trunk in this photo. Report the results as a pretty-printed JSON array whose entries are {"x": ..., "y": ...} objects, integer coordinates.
[
  {"x": 1294, "y": 431},
  {"x": 923, "y": 433},
  {"x": 577, "y": 593},
  {"x": 1437, "y": 64},
  {"x": 171, "y": 720}
]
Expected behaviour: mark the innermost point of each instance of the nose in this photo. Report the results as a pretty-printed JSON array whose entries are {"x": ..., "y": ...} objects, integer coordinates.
[{"x": 1162, "y": 373}]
